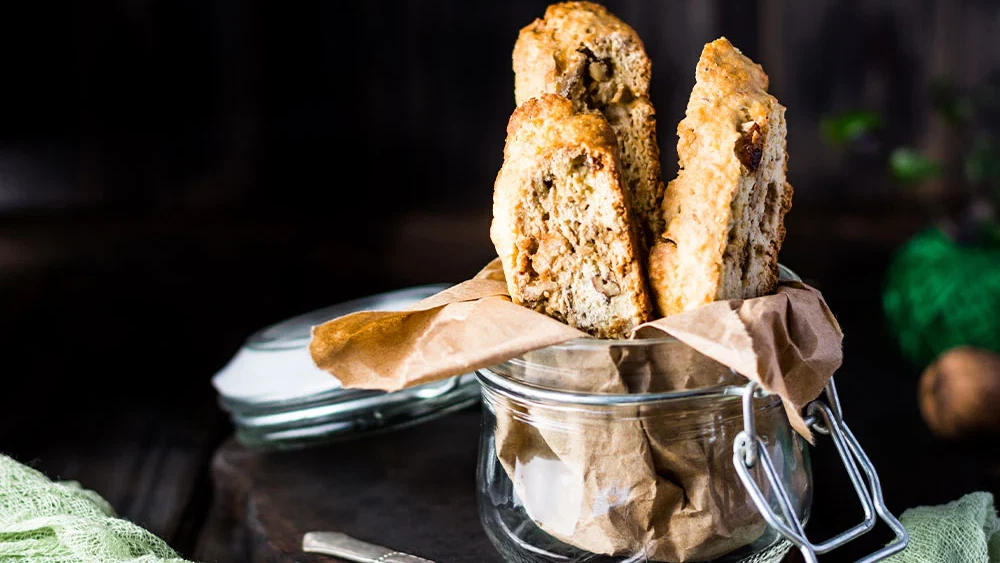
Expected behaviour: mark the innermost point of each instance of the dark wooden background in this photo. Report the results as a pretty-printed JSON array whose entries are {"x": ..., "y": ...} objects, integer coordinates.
[{"x": 176, "y": 174}]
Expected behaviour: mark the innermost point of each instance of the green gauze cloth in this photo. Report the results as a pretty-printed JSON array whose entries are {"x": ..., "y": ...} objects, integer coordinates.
[
  {"x": 59, "y": 522},
  {"x": 963, "y": 531}
]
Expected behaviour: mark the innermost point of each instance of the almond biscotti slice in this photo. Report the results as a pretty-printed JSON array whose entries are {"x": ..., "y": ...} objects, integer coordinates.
[
  {"x": 583, "y": 52},
  {"x": 561, "y": 225},
  {"x": 724, "y": 213}
]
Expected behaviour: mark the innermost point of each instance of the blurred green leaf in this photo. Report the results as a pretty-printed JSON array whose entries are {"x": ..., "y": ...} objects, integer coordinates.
[
  {"x": 986, "y": 101},
  {"x": 982, "y": 163},
  {"x": 951, "y": 104},
  {"x": 908, "y": 165},
  {"x": 839, "y": 130},
  {"x": 991, "y": 234}
]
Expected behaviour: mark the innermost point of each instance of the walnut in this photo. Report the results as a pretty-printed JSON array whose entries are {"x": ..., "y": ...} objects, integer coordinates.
[
  {"x": 607, "y": 288},
  {"x": 750, "y": 146},
  {"x": 598, "y": 70}
]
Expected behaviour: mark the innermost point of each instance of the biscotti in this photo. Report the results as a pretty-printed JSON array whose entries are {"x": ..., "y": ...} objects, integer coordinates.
[
  {"x": 561, "y": 224},
  {"x": 724, "y": 213},
  {"x": 585, "y": 53}
]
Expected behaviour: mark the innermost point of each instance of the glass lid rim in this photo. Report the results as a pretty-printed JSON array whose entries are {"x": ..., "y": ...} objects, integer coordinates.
[
  {"x": 505, "y": 384},
  {"x": 416, "y": 394}
]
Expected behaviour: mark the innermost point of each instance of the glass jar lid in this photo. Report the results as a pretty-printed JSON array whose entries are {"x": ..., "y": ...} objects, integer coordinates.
[{"x": 278, "y": 398}]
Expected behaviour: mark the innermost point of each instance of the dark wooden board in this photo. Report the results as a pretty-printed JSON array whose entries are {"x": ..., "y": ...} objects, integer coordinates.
[{"x": 412, "y": 490}]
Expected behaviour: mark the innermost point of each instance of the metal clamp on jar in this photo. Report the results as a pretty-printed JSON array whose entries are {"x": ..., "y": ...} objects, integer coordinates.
[{"x": 824, "y": 417}]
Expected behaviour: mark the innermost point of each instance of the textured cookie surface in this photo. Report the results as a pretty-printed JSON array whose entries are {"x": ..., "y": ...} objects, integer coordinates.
[
  {"x": 583, "y": 52},
  {"x": 724, "y": 213},
  {"x": 561, "y": 225}
]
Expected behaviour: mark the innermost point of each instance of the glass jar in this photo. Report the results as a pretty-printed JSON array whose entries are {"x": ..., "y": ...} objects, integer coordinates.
[{"x": 614, "y": 451}]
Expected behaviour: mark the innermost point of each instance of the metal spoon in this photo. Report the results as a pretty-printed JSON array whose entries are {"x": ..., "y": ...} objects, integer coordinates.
[{"x": 346, "y": 547}]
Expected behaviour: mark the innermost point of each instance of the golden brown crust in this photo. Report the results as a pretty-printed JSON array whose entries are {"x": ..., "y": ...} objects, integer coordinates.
[
  {"x": 724, "y": 213},
  {"x": 561, "y": 224},
  {"x": 550, "y": 121},
  {"x": 585, "y": 53},
  {"x": 548, "y": 47}
]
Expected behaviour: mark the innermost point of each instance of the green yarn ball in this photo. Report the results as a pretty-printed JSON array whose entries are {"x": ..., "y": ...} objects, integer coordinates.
[{"x": 939, "y": 295}]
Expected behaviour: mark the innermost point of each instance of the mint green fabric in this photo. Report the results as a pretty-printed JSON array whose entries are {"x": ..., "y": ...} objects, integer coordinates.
[
  {"x": 963, "y": 531},
  {"x": 42, "y": 521}
]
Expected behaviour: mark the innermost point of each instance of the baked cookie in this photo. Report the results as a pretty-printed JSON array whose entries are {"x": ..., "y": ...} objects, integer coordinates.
[
  {"x": 724, "y": 213},
  {"x": 561, "y": 225},
  {"x": 583, "y": 52}
]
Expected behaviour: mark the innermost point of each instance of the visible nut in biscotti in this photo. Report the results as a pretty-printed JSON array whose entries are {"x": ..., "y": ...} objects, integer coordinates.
[
  {"x": 724, "y": 213},
  {"x": 583, "y": 52},
  {"x": 561, "y": 225}
]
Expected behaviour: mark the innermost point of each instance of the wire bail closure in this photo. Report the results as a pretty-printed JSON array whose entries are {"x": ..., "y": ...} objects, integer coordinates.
[{"x": 825, "y": 418}]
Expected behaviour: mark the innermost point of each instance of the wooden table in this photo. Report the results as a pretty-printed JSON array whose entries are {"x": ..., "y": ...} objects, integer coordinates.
[{"x": 412, "y": 490}]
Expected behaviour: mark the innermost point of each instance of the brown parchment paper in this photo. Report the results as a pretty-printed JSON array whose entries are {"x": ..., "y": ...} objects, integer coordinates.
[
  {"x": 466, "y": 327},
  {"x": 789, "y": 342},
  {"x": 626, "y": 484}
]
